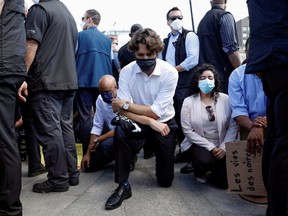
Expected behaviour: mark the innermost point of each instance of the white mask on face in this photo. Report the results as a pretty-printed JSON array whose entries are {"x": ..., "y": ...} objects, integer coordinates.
[
  {"x": 35, "y": 1},
  {"x": 176, "y": 24},
  {"x": 82, "y": 24}
]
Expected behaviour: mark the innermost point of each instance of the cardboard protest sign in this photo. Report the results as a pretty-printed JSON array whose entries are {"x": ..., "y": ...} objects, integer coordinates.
[{"x": 244, "y": 171}]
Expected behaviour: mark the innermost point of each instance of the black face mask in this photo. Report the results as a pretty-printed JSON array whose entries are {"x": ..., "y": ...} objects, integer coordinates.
[
  {"x": 146, "y": 65},
  {"x": 107, "y": 97}
]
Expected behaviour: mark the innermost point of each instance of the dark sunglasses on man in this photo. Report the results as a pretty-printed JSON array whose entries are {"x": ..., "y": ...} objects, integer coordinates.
[{"x": 175, "y": 17}]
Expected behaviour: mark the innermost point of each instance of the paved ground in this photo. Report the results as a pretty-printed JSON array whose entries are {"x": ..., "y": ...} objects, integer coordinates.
[{"x": 185, "y": 197}]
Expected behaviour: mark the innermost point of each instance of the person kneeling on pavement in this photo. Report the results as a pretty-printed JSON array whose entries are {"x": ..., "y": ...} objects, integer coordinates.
[
  {"x": 207, "y": 125},
  {"x": 150, "y": 83},
  {"x": 100, "y": 150}
]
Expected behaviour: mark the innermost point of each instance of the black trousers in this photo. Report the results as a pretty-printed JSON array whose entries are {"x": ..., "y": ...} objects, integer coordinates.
[
  {"x": 85, "y": 100},
  {"x": 33, "y": 147},
  {"x": 203, "y": 161},
  {"x": 275, "y": 152},
  {"x": 164, "y": 147},
  {"x": 53, "y": 117},
  {"x": 10, "y": 162}
]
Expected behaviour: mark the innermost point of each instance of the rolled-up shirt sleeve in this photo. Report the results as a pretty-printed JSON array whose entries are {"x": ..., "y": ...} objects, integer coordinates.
[
  {"x": 36, "y": 23},
  {"x": 236, "y": 95},
  {"x": 228, "y": 34},
  {"x": 164, "y": 99},
  {"x": 98, "y": 120}
]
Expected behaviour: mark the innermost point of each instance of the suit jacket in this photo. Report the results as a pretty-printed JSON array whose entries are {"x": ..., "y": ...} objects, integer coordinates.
[{"x": 192, "y": 125}]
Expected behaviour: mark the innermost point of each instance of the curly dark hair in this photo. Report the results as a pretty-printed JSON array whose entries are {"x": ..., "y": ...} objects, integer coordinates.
[
  {"x": 148, "y": 37},
  {"x": 197, "y": 72}
]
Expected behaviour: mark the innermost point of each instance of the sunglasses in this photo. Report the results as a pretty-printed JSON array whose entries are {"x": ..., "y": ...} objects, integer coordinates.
[
  {"x": 175, "y": 17},
  {"x": 210, "y": 111},
  {"x": 83, "y": 18}
]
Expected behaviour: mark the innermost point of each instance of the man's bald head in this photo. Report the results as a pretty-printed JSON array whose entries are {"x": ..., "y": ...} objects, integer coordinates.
[{"x": 107, "y": 83}]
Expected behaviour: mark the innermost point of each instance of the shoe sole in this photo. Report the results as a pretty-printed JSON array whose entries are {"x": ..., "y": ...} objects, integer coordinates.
[
  {"x": 127, "y": 196},
  {"x": 51, "y": 190}
]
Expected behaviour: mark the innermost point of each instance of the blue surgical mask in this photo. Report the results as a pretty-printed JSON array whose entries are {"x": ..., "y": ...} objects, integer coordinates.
[
  {"x": 146, "y": 65},
  {"x": 206, "y": 86},
  {"x": 107, "y": 97}
]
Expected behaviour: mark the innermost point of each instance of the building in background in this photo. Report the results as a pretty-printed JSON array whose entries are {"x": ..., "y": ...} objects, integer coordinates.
[
  {"x": 243, "y": 32},
  {"x": 121, "y": 35}
]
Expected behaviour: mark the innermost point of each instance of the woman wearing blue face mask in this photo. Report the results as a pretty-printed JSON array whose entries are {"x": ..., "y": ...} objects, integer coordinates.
[{"x": 207, "y": 126}]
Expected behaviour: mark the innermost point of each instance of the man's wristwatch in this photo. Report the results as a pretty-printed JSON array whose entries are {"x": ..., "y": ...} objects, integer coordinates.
[{"x": 125, "y": 105}]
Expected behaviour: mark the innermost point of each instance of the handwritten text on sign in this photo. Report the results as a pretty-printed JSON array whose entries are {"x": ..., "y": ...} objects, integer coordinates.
[{"x": 243, "y": 170}]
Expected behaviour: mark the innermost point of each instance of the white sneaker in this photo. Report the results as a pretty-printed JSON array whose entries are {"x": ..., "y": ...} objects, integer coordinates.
[{"x": 202, "y": 179}]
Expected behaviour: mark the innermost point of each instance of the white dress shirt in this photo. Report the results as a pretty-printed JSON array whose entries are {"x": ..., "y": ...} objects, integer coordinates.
[
  {"x": 104, "y": 114},
  {"x": 156, "y": 90}
]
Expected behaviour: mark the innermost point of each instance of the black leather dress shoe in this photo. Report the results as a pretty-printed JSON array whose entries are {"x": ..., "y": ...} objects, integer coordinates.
[
  {"x": 188, "y": 168},
  {"x": 46, "y": 187},
  {"x": 116, "y": 199}
]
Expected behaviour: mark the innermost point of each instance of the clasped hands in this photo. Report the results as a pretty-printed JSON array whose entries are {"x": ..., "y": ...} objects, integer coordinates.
[{"x": 218, "y": 153}]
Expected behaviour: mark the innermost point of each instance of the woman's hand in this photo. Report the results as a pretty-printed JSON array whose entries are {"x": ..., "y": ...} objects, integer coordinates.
[{"x": 218, "y": 153}]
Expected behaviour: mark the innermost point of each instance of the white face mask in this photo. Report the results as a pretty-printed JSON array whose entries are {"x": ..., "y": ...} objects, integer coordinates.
[
  {"x": 35, "y": 1},
  {"x": 176, "y": 24},
  {"x": 82, "y": 24}
]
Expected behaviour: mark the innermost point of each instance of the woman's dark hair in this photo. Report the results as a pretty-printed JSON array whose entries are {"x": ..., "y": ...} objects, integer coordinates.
[{"x": 197, "y": 72}]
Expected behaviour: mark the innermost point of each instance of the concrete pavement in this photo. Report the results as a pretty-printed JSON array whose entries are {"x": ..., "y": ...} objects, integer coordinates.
[{"x": 185, "y": 197}]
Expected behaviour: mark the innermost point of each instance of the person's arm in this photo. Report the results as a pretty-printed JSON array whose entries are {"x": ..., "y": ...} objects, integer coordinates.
[
  {"x": 133, "y": 108},
  {"x": 31, "y": 49},
  {"x": 229, "y": 39},
  {"x": 192, "y": 53},
  {"x": 244, "y": 121},
  {"x": 160, "y": 127},
  {"x": 236, "y": 92},
  {"x": 161, "y": 102},
  {"x": 235, "y": 59},
  {"x": 189, "y": 128}
]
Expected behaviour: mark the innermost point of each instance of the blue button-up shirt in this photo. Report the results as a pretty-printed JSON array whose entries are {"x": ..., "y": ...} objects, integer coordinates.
[{"x": 246, "y": 94}]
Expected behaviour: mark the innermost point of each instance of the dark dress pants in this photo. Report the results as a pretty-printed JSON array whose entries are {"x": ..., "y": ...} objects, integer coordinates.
[
  {"x": 102, "y": 156},
  {"x": 85, "y": 101},
  {"x": 10, "y": 161},
  {"x": 275, "y": 152},
  {"x": 164, "y": 147},
  {"x": 53, "y": 115},
  {"x": 33, "y": 148}
]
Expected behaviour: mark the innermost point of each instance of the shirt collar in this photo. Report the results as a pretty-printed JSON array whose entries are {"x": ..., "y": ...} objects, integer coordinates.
[{"x": 177, "y": 33}]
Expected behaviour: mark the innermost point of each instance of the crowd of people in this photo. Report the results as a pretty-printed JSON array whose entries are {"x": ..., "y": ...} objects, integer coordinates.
[{"x": 189, "y": 89}]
